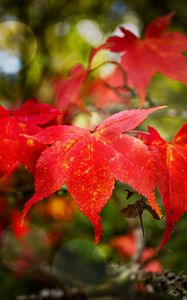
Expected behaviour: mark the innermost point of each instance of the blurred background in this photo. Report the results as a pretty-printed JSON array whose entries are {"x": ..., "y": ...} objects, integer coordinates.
[{"x": 40, "y": 40}]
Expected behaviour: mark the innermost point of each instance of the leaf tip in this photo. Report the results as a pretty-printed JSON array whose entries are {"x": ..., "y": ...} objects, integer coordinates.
[{"x": 162, "y": 106}]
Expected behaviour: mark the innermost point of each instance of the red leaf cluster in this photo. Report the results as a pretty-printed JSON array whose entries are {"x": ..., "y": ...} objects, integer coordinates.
[
  {"x": 159, "y": 51},
  {"x": 15, "y": 148},
  {"x": 89, "y": 161}
]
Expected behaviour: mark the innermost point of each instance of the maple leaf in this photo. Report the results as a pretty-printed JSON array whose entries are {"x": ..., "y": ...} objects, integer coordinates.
[
  {"x": 170, "y": 161},
  {"x": 68, "y": 90},
  {"x": 89, "y": 162},
  {"x": 158, "y": 51},
  {"x": 15, "y": 148}
]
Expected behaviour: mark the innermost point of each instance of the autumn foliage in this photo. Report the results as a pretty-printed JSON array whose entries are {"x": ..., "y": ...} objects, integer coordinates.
[
  {"x": 158, "y": 51},
  {"x": 89, "y": 160}
]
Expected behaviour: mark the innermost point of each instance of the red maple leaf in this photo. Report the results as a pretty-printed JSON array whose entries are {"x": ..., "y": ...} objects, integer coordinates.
[
  {"x": 68, "y": 90},
  {"x": 16, "y": 149},
  {"x": 89, "y": 162},
  {"x": 158, "y": 51},
  {"x": 170, "y": 161}
]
